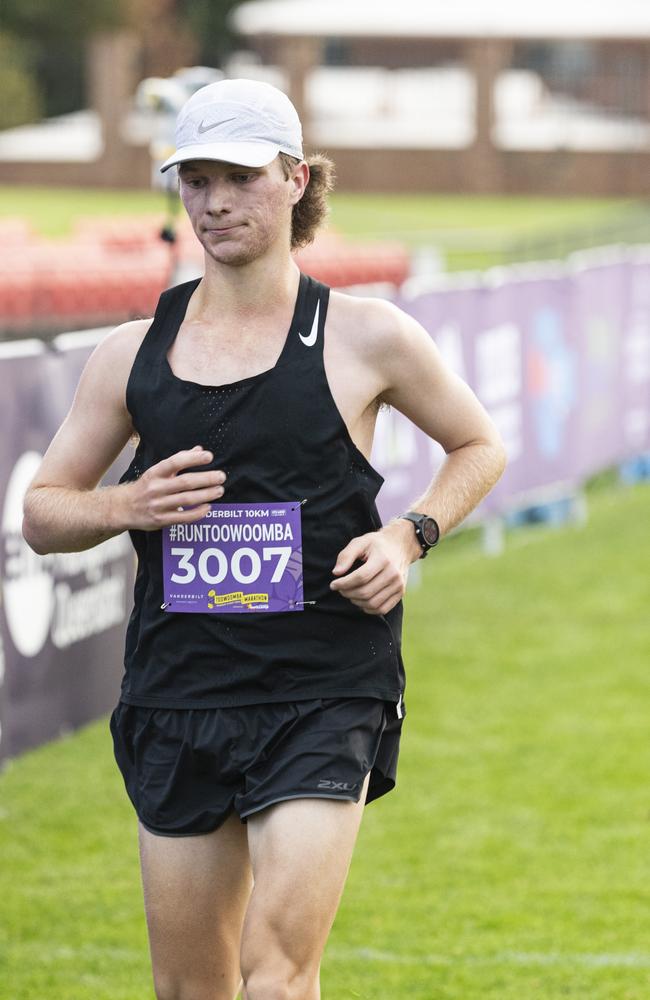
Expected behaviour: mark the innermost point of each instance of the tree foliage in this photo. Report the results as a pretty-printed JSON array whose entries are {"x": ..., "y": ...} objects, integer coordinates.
[
  {"x": 42, "y": 61},
  {"x": 47, "y": 38},
  {"x": 21, "y": 98},
  {"x": 208, "y": 19},
  {"x": 46, "y": 19}
]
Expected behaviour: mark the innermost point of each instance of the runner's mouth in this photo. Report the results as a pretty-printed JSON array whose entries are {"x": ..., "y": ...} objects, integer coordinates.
[{"x": 219, "y": 229}]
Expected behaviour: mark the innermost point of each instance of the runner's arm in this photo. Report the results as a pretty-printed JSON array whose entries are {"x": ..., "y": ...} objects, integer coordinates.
[
  {"x": 418, "y": 383},
  {"x": 64, "y": 509},
  {"x": 421, "y": 386}
]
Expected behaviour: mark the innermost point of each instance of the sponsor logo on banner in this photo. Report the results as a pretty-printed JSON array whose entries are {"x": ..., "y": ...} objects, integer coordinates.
[
  {"x": 66, "y": 597},
  {"x": 551, "y": 382},
  {"x": 499, "y": 382}
]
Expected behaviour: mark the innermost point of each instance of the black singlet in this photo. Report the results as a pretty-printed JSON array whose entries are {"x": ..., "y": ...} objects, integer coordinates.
[{"x": 278, "y": 436}]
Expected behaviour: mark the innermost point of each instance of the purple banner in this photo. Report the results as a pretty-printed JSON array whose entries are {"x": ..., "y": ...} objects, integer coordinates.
[
  {"x": 559, "y": 355},
  {"x": 63, "y": 615}
]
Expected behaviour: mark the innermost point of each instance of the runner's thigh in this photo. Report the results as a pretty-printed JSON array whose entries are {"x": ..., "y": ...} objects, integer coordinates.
[
  {"x": 196, "y": 890},
  {"x": 301, "y": 851}
]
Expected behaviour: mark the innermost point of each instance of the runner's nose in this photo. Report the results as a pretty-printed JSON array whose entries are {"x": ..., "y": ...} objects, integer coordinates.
[{"x": 220, "y": 197}]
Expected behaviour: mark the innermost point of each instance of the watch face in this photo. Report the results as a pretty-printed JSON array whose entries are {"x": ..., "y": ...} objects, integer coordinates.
[{"x": 430, "y": 530}]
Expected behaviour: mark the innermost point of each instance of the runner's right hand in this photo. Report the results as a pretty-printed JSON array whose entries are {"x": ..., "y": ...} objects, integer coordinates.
[{"x": 153, "y": 501}]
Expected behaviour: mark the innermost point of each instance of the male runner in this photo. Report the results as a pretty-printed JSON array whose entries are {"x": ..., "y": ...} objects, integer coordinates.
[{"x": 263, "y": 677}]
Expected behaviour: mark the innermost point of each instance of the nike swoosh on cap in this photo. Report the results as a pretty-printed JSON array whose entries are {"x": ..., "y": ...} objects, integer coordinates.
[
  {"x": 310, "y": 340},
  {"x": 206, "y": 128}
]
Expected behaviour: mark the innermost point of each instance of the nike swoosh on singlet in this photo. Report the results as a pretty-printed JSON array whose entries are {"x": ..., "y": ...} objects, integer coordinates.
[
  {"x": 310, "y": 340},
  {"x": 206, "y": 128}
]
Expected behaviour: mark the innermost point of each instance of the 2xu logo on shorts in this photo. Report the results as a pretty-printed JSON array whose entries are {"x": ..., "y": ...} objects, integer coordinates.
[{"x": 337, "y": 786}]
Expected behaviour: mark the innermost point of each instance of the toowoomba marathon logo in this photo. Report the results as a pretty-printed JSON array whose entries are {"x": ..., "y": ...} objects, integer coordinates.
[{"x": 66, "y": 596}]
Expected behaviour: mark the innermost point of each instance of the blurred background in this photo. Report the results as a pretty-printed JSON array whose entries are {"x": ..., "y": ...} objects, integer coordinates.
[
  {"x": 501, "y": 135},
  {"x": 493, "y": 167}
]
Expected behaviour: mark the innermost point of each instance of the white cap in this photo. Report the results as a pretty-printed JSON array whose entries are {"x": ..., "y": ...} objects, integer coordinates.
[{"x": 239, "y": 121}]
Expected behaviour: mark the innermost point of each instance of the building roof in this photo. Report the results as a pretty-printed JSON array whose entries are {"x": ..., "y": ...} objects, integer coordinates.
[{"x": 446, "y": 19}]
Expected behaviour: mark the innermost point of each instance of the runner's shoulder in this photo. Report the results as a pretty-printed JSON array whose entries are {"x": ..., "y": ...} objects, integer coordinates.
[
  {"x": 117, "y": 350},
  {"x": 126, "y": 338},
  {"x": 374, "y": 326},
  {"x": 109, "y": 366}
]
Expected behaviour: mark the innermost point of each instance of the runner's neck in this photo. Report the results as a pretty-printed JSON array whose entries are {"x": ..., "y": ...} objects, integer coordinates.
[{"x": 262, "y": 287}]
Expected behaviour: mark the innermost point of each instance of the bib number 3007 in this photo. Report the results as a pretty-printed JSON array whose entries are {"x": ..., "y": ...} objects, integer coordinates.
[
  {"x": 238, "y": 558},
  {"x": 213, "y": 566}
]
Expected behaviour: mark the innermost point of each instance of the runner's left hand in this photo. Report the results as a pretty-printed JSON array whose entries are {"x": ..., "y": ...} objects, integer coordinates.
[{"x": 378, "y": 584}]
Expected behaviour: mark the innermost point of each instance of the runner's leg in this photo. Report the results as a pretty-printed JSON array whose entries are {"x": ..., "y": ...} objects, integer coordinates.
[
  {"x": 195, "y": 892},
  {"x": 301, "y": 851}
]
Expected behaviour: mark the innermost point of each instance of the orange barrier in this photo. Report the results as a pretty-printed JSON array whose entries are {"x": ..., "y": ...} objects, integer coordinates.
[{"x": 15, "y": 233}]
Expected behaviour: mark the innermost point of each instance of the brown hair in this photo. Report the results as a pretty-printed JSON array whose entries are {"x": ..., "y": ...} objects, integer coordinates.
[{"x": 310, "y": 212}]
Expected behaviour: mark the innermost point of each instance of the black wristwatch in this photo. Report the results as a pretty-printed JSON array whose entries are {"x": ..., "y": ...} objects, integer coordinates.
[{"x": 427, "y": 531}]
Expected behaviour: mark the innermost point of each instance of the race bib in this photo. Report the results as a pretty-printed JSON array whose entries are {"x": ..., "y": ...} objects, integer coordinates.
[{"x": 238, "y": 558}]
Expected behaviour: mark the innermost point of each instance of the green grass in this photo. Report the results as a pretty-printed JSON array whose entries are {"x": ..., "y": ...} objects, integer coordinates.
[
  {"x": 53, "y": 211},
  {"x": 475, "y": 232},
  {"x": 470, "y": 231},
  {"x": 512, "y": 860},
  {"x": 419, "y": 215}
]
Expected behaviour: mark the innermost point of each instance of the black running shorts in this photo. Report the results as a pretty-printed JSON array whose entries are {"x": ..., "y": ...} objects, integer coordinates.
[{"x": 185, "y": 770}]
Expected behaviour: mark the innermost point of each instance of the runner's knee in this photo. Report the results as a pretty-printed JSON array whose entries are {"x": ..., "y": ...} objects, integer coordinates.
[
  {"x": 273, "y": 975},
  {"x": 279, "y": 978}
]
